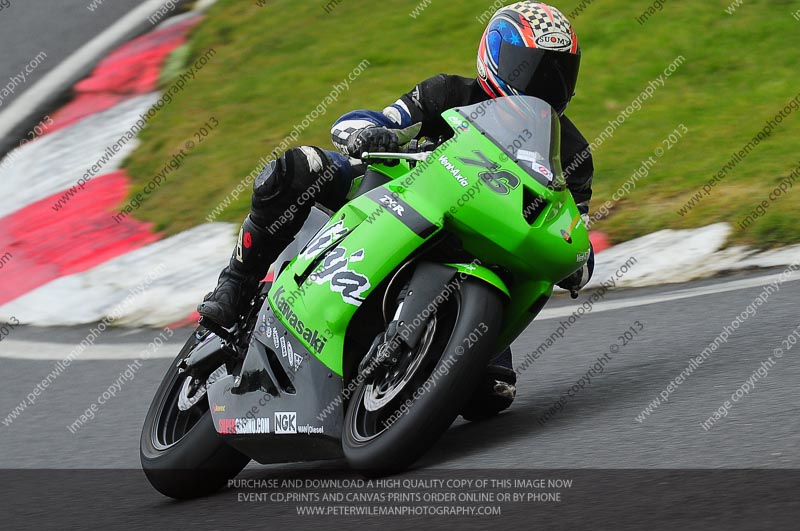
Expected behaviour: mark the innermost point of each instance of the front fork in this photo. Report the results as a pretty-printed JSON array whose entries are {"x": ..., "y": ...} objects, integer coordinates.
[{"x": 430, "y": 284}]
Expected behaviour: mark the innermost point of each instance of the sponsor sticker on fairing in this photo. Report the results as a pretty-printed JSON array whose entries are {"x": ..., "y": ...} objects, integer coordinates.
[
  {"x": 454, "y": 170},
  {"x": 243, "y": 426},
  {"x": 539, "y": 168},
  {"x": 459, "y": 123},
  {"x": 285, "y": 422},
  {"x": 310, "y": 430},
  {"x": 284, "y": 347},
  {"x": 392, "y": 204}
]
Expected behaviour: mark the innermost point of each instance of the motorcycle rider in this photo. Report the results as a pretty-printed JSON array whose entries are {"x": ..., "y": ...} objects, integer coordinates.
[{"x": 528, "y": 48}]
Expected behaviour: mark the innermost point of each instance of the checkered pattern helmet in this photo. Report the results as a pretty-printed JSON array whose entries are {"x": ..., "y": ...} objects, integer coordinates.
[{"x": 529, "y": 48}]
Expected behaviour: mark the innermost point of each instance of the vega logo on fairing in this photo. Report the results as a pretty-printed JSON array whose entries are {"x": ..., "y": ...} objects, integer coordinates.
[
  {"x": 342, "y": 280},
  {"x": 311, "y": 336}
]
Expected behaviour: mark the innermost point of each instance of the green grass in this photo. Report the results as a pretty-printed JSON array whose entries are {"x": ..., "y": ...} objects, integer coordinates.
[{"x": 275, "y": 64}]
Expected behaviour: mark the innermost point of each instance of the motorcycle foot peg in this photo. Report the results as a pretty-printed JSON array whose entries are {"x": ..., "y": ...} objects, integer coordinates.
[{"x": 222, "y": 333}]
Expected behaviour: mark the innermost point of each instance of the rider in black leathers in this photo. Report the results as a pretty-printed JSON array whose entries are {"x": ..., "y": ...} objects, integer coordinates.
[{"x": 527, "y": 48}]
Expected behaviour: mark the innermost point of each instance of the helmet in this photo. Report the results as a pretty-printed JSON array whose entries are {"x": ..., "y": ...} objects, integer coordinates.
[{"x": 529, "y": 48}]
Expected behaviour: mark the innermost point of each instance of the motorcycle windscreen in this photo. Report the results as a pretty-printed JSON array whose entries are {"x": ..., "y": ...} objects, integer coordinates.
[{"x": 528, "y": 130}]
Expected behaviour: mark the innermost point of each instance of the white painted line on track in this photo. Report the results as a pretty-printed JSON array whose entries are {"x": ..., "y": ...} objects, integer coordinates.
[
  {"x": 668, "y": 296},
  {"x": 71, "y": 68},
  {"x": 40, "y": 351}
]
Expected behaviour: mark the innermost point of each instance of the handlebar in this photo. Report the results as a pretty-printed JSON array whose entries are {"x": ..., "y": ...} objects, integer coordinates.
[
  {"x": 405, "y": 155},
  {"x": 415, "y": 150}
]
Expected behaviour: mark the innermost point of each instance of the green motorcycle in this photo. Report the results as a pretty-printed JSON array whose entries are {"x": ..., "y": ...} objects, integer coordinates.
[{"x": 383, "y": 316}]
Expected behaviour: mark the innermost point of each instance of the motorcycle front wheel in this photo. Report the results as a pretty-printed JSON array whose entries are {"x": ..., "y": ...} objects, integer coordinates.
[
  {"x": 400, "y": 409},
  {"x": 182, "y": 454}
]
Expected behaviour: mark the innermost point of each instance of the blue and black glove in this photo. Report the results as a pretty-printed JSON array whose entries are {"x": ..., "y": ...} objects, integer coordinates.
[{"x": 373, "y": 140}]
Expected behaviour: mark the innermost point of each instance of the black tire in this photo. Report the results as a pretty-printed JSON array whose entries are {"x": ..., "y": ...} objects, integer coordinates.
[
  {"x": 476, "y": 306},
  {"x": 188, "y": 458}
]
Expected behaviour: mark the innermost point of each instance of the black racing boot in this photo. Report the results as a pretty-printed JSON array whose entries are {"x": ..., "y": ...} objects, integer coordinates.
[
  {"x": 496, "y": 391},
  {"x": 255, "y": 251}
]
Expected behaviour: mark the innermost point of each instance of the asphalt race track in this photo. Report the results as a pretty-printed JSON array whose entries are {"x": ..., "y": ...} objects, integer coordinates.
[
  {"x": 28, "y": 28},
  {"x": 616, "y": 424},
  {"x": 596, "y": 429}
]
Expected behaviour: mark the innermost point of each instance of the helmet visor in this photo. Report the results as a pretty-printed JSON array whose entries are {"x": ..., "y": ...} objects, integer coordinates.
[{"x": 546, "y": 74}]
